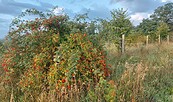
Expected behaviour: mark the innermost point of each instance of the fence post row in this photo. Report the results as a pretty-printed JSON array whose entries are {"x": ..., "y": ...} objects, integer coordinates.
[{"x": 122, "y": 42}]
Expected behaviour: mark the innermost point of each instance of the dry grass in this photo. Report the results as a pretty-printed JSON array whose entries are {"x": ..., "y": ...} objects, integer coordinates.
[{"x": 143, "y": 73}]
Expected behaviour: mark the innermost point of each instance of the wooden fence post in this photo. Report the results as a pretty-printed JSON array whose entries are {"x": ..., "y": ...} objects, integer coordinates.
[
  {"x": 159, "y": 38},
  {"x": 147, "y": 41},
  {"x": 123, "y": 43},
  {"x": 168, "y": 39}
]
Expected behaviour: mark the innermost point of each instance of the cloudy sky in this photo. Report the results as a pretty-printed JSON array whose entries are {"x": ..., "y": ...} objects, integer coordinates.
[{"x": 138, "y": 9}]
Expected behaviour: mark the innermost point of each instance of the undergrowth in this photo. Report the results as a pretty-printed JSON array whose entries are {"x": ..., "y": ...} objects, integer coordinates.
[{"x": 142, "y": 74}]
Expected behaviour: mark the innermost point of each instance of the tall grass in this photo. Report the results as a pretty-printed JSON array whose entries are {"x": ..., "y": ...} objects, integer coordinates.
[{"x": 143, "y": 74}]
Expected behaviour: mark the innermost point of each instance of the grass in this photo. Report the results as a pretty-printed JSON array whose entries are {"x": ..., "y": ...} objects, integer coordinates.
[{"x": 141, "y": 74}]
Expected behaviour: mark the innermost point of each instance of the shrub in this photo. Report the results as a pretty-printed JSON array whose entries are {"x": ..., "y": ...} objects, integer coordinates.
[
  {"x": 78, "y": 59},
  {"x": 44, "y": 65}
]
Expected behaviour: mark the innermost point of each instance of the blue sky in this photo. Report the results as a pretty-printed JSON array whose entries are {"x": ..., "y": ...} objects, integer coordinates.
[{"x": 138, "y": 9}]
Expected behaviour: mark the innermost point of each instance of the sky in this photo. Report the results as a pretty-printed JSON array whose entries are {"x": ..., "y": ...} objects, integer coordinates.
[{"x": 137, "y": 9}]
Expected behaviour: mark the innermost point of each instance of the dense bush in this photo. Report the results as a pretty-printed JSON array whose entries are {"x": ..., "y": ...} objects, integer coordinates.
[{"x": 42, "y": 57}]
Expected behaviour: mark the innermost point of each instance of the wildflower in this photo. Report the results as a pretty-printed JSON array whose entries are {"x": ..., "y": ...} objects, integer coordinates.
[
  {"x": 69, "y": 87},
  {"x": 63, "y": 80},
  {"x": 6, "y": 70},
  {"x": 3, "y": 64},
  {"x": 84, "y": 35}
]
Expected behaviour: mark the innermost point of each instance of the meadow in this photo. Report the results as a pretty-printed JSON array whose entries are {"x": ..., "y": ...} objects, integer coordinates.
[
  {"x": 53, "y": 58},
  {"x": 141, "y": 74}
]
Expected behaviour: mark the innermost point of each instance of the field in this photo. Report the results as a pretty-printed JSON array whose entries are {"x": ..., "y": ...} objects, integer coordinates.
[
  {"x": 141, "y": 74},
  {"x": 49, "y": 57}
]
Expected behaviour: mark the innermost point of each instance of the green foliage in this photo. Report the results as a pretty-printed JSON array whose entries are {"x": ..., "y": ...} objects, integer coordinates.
[
  {"x": 111, "y": 30},
  {"x": 120, "y": 22},
  {"x": 92, "y": 28},
  {"x": 164, "y": 14},
  {"x": 79, "y": 23},
  {"x": 106, "y": 90},
  {"x": 135, "y": 38},
  {"x": 77, "y": 59},
  {"x": 148, "y": 26},
  {"x": 161, "y": 15},
  {"x": 162, "y": 30},
  {"x": 106, "y": 34}
]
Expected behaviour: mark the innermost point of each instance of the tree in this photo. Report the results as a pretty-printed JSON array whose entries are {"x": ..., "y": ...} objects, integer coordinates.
[
  {"x": 79, "y": 23},
  {"x": 121, "y": 26},
  {"x": 162, "y": 17},
  {"x": 148, "y": 27},
  {"x": 92, "y": 27},
  {"x": 162, "y": 30},
  {"x": 164, "y": 14},
  {"x": 120, "y": 22},
  {"x": 118, "y": 25},
  {"x": 105, "y": 33}
]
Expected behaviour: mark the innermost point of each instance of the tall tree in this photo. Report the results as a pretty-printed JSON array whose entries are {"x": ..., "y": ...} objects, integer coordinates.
[
  {"x": 118, "y": 25},
  {"x": 120, "y": 22},
  {"x": 147, "y": 26},
  {"x": 164, "y": 14}
]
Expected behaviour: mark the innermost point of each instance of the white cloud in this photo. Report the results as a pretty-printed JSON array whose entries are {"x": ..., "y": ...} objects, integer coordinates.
[
  {"x": 58, "y": 11},
  {"x": 167, "y": 0},
  {"x": 138, "y": 17}
]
